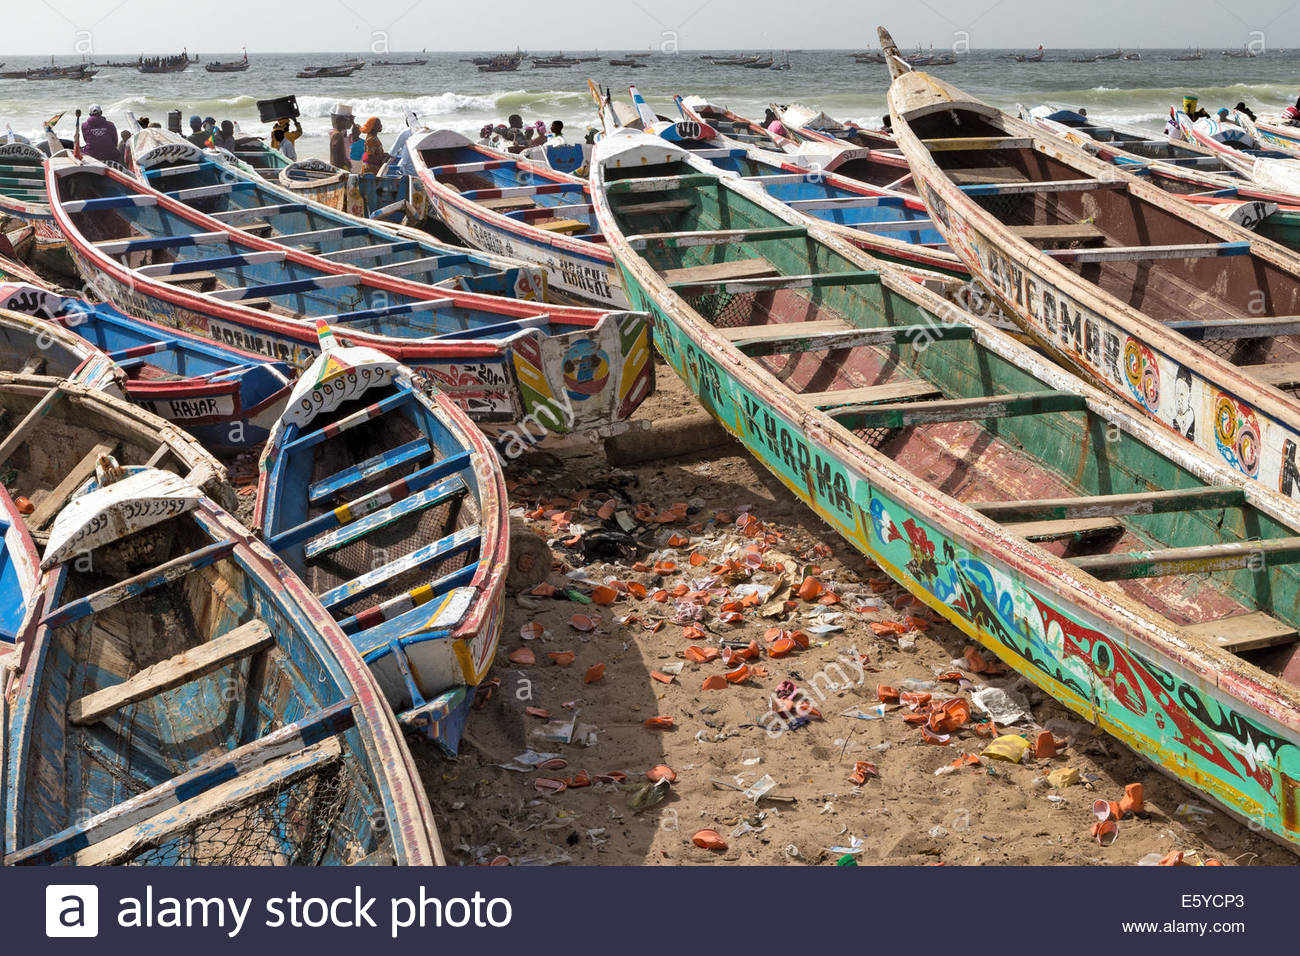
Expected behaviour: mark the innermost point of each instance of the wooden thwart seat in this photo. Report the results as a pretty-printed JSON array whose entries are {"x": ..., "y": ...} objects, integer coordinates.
[
  {"x": 1055, "y": 530},
  {"x": 986, "y": 175},
  {"x": 789, "y": 337},
  {"x": 1097, "y": 506},
  {"x": 1197, "y": 250},
  {"x": 565, "y": 226},
  {"x": 1281, "y": 374},
  {"x": 243, "y": 641},
  {"x": 1220, "y": 328},
  {"x": 722, "y": 271},
  {"x": 1199, "y": 559},
  {"x": 978, "y": 408},
  {"x": 504, "y": 203},
  {"x": 1245, "y": 632},
  {"x": 654, "y": 208},
  {"x": 874, "y": 394},
  {"x": 1060, "y": 232}
]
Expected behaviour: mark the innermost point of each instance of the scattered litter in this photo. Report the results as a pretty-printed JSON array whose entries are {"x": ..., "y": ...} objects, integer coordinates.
[
  {"x": 527, "y": 761},
  {"x": 761, "y": 788},
  {"x": 855, "y": 846},
  {"x": 650, "y": 795},
  {"x": 750, "y": 757},
  {"x": 1063, "y": 777},
  {"x": 1003, "y": 706},
  {"x": 709, "y": 840},
  {"x": 1010, "y": 747},
  {"x": 661, "y": 772}
]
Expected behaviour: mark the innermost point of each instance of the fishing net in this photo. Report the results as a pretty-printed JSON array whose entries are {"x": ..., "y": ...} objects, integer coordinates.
[
  {"x": 308, "y": 821},
  {"x": 725, "y": 310}
]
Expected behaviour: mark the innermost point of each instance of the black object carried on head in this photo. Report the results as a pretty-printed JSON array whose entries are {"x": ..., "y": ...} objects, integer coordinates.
[{"x": 283, "y": 107}]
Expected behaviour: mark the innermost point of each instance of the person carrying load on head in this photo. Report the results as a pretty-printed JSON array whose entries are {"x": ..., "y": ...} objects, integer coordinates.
[
  {"x": 374, "y": 155},
  {"x": 282, "y": 137},
  {"x": 1192, "y": 107},
  {"x": 340, "y": 123},
  {"x": 101, "y": 136}
]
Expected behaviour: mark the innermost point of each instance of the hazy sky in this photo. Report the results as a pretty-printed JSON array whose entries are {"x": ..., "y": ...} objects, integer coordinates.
[{"x": 101, "y": 27}]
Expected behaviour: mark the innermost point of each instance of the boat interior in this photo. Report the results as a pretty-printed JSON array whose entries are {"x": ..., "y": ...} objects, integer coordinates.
[
  {"x": 831, "y": 199},
  {"x": 375, "y": 505},
  {"x": 53, "y": 437},
  {"x": 1144, "y": 144},
  {"x": 169, "y": 673},
  {"x": 24, "y": 350},
  {"x": 965, "y": 419},
  {"x": 22, "y": 174},
  {"x": 273, "y": 213},
  {"x": 1216, "y": 292},
  {"x": 170, "y": 247},
  {"x": 517, "y": 189}
]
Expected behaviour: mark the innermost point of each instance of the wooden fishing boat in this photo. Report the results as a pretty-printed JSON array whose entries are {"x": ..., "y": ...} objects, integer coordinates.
[
  {"x": 165, "y": 64},
  {"x": 225, "y": 397},
  {"x": 415, "y": 61},
  {"x": 228, "y": 66},
  {"x": 1181, "y": 168},
  {"x": 316, "y": 180},
  {"x": 1275, "y": 130},
  {"x": 885, "y": 222},
  {"x": 387, "y": 501},
  {"x": 1188, "y": 316},
  {"x": 55, "y": 431},
  {"x": 23, "y": 200},
  {"x": 34, "y": 346},
  {"x": 181, "y": 700},
  {"x": 506, "y": 361},
  {"x": 255, "y": 152},
  {"x": 328, "y": 72},
  {"x": 19, "y": 569},
  {"x": 949, "y": 454},
  {"x": 506, "y": 204},
  {"x": 814, "y": 125},
  {"x": 215, "y": 183},
  {"x": 1273, "y": 168}
]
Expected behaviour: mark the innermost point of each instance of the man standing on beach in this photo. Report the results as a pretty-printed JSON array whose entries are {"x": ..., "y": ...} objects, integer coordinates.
[{"x": 340, "y": 123}]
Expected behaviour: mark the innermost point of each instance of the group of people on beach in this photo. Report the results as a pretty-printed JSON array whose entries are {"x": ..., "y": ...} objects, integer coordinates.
[
  {"x": 514, "y": 137},
  {"x": 357, "y": 147}
]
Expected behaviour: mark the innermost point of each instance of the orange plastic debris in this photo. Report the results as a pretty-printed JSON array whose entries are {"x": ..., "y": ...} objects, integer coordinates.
[
  {"x": 881, "y": 628},
  {"x": 709, "y": 840},
  {"x": 541, "y": 712},
  {"x": 604, "y": 594},
  {"x": 914, "y": 700},
  {"x": 594, "y": 673},
  {"x": 701, "y": 655},
  {"x": 1132, "y": 801},
  {"x": 523, "y": 655},
  {"x": 606, "y": 511},
  {"x": 659, "y": 723},
  {"x": 665, "y": 567},
  {"x": 611, "y": 776},
  {"x": 949, "y": 716},
  {"x": 810, "y": 588},
  {"x": 679, "y": 590},
  {"x": 693, "y": 632},
  {"x": 886, "y": 694},
  {"x": 580, "y": 779},
  {"x": 563, "y": 658},
  {"x": 714, "y": 682},
  {"x": 1106, "y": 832},
  {"x": 800, "y": 638},
  {"x": 661, "y": 677},
  {"x": 930, "y": 737},
  {"x": 582, "y": 622},
  {"x": 660, "y": 596},
  {"x": 678, "y": 541},
  {"x": 532, "y": 631},
  {"x": 661, "y": 772},
  {"x": 1045, "y": 745},
  {"x": 781, "y": 647},
  {"x": 830, "y": 597},
  {"x": 640, "y": 566},
  {"x": 24, "y": 505},
  {"x": 1174, "y": 858},
  {"x": 550, "y": 785},
  {"x": 543, "y": 590},
  {"x": 861, "y": 770},
  {"x": 965, "y": 760},
  {"x": 697, "y": 559},
  {"x": 555, "y": 763},
  {"x": 738, "y": 675},
  {"x": 636, "y": 589}
]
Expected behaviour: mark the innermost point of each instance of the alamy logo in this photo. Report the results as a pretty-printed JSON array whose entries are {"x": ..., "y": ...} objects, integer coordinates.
[{"x": 71, "y": 910}]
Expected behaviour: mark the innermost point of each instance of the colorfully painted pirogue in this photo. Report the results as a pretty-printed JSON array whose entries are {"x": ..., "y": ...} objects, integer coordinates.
[
  {"x": 180, "y": 699},
  {"x": 1187, "y": 316},
  {"x": 505, "y": 361},
  {"x": 387, "y": 501},
  {"x": 1137, "y": 579}
]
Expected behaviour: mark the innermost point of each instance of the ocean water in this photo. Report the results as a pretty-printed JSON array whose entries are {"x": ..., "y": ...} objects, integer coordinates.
[{"x": 447, "y": 92}]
